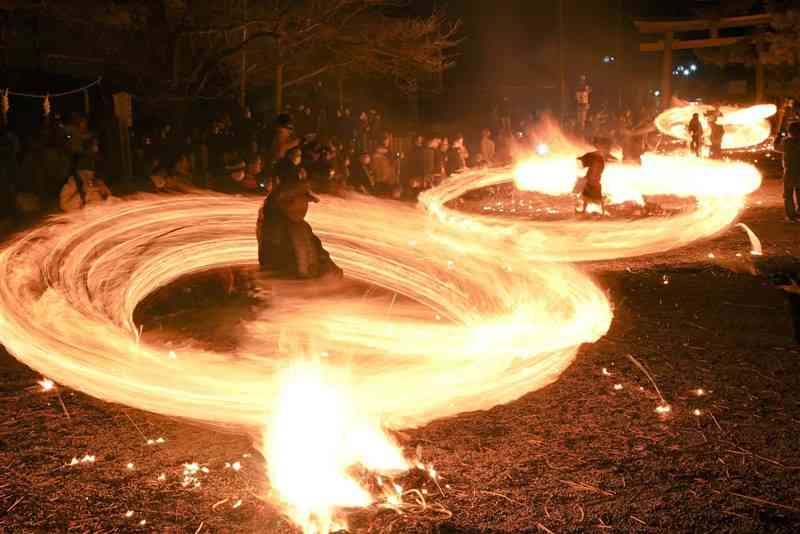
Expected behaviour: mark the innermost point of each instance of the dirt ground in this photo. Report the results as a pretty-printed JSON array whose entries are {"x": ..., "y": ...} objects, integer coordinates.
[{"x": 577, "y": 456}]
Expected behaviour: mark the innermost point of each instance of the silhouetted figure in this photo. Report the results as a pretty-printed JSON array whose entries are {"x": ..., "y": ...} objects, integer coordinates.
[
  {"x": 287, "y": 247},
  {"x": 696, "y": 132}
]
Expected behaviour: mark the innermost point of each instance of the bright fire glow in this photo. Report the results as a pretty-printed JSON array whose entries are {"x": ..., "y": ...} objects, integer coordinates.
[
  {"x": 465, "y": 320},
  {"x": 719, "y": 188},
  {"x": 47, "y": 384},
  {"x": 744, "y": 127},
  {"x": 316, "y": 433},
  {"x": 470, "y": 328}
]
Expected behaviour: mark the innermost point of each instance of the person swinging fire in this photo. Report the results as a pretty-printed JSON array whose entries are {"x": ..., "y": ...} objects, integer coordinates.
[{"x": 590, "y": 187}]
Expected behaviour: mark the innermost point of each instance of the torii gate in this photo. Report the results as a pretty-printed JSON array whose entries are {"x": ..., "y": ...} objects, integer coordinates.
[{"x": 669, "y": 28}]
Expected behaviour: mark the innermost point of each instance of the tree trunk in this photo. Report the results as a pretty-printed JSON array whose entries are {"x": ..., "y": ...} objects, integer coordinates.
[
  {"x": 759, "y": 75},
  {"x": 243, "y": 78},
  {"x": 562, "y": 79},
  {"x": 278, "y": 88},
  {"x": 666, "y": 72},
  {"x": 340, "y": 87},
  {"x": 176, "y": 60}
]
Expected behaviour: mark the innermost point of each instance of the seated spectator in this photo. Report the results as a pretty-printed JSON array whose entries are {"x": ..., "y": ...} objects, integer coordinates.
[
  {"x": 252, "y": 174},
  {"x": 231, "y": 181},
  {"x": 361, "y": 175},
  {"x": 181, "y": 172},
  {"x": 176, "y": 178},
  {"x": 287, "y": 246},
  {"x": 383, "y": 172},
  {"x": 179, "y": 177},
  {"x": 321, "y": 171},
  {"x": 83, "y": 188}
]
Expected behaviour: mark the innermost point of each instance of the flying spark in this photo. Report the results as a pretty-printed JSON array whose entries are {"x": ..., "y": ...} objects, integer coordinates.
[
  {"x": 487, "y": 332},
  {"x": 47, "y": 384}
]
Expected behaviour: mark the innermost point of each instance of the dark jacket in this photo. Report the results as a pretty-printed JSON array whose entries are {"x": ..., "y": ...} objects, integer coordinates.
[
  {"x": 429, "y": 162},
  {"x": 288, "y": 249},
  {"x": 455, "y": 161},
  {"x": 361, "y": 176},
  {"x": 791, "y": 156},
  {"x": 416, "y": 169},
  {"x": 287, "y": 172},
  {"x": 695, "y": 128},
  {"x": 595, "y": 163}
]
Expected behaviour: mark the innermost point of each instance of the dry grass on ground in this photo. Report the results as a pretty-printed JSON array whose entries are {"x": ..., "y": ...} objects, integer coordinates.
[{"x": 577, "y": 456}]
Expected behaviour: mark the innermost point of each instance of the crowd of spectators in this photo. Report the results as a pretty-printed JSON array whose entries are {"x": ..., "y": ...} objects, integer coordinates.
[{"x": 64, "y": 167}]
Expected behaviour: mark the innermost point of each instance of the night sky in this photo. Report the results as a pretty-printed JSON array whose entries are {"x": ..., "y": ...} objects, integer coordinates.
[{"x": 514, "y": 43}]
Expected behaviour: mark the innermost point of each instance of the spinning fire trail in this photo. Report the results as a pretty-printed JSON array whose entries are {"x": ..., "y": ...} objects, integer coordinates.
[
  {"x": 477, "y": 323},
  {"x": 744, "y": 127}
]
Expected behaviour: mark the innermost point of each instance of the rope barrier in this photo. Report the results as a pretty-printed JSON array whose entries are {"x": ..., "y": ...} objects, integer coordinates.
[{"x": 54, "y": 95}]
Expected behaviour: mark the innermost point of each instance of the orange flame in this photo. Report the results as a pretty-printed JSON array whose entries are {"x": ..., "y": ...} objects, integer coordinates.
[
  {"x": 744, "y": 127},
  {"x": 476, "y": 324},
  {"x": 316, "y": 433}
]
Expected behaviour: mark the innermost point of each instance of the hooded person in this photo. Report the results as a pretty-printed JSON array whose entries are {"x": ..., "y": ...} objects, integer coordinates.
[{"x": 287, "y": 247}]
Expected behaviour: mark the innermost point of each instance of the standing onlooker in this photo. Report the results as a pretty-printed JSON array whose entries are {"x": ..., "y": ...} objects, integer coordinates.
[
  {"x": 791, "y": 171},
  {"x": 696, "y": 132},
  {"x": 54, "y": 168},
  {"x": 383, "y": 172},
  {"x": 457, "y": 156},
  {"x": 583, "y": 95},
  {"x": 441, "y": 159},
  {"x": 717, "y": 135},
  {"x": 504, "y": 110},
  {"x": 414, "y": 170},
  {"x": 487, "y": 148},
  {"x": 363, "y": 132},
  {"x": 9, "y": 151},
  {"x": 429, "y": 161}
]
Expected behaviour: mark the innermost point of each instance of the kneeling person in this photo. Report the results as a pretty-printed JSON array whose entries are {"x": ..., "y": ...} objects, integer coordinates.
[{"x": 287, "y": 247}]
